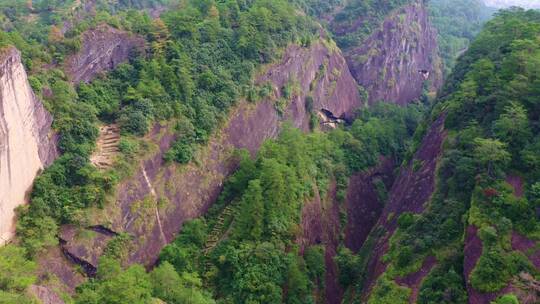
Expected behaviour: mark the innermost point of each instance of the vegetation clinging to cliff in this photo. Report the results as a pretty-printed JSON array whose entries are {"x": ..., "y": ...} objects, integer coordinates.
[
  {"x": 492, "y": 119},
  {"x": 201, "y": 60}
]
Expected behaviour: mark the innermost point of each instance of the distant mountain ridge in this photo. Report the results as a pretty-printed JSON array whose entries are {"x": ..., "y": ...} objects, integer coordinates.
[{"x": 534, "y": 4}]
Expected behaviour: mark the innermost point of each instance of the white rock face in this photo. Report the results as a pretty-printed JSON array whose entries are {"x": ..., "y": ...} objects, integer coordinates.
[
  {"x": 25, "y": 144},
  {"x": 534, "y": 4}
]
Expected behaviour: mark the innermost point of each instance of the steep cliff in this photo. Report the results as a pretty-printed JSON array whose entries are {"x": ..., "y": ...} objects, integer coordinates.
[
  {"x": 103, "y": 48},
  {"x": 152, "y": 205},
  {"x": 399, "y": 59},
  {"x": 411, "y": 192},
  {"x": 26, "y": 145}
]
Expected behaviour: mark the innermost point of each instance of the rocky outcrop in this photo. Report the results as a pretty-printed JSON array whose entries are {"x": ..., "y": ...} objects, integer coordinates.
[
  {"x": 152, "y": 205},
  {"x": 321, "y": 226},
  {"x": 103, "y": 49},
  {"x": 364, "y": 202},
  {"x": 45, "y": 295},
  {"x": 26, "y": 142},
  {"x": 399, "y": 59},
  {"x": 411, "y": 191}
]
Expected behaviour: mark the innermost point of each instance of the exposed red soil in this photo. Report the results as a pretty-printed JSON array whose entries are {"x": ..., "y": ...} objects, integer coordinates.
[
  {"x": 472, "y": 252},
  {"x": 45, "y": 295},
  {"x": 363, "y": 204},
  {"x": 517, "y": 183},
  {"x": 410, "y": 192},
  {"x": 88, "y": 249},
  {"x": 53, "y": 262},
  {"x": 414, "y": 280}
]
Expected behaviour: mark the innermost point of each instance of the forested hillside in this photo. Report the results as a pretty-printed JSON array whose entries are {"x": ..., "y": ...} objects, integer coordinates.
[
  {"x": 475, "y": 237},
  {"x": 457, "y": 22},
  {"x": 231, "y": 151}
]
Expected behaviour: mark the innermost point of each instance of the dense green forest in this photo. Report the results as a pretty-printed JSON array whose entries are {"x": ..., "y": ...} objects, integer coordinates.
[
  {"x": 457, "y": 22},
  {"x": 201, "y": 58}
]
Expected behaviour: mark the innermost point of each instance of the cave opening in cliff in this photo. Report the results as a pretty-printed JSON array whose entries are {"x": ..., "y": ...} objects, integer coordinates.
[{"x": 328, "y": 118}]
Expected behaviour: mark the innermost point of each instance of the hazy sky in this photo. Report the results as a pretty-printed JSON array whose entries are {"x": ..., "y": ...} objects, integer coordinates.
[{"x": 506, "y": 3}]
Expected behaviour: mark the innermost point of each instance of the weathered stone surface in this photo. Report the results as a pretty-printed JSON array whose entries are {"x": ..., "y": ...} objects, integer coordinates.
[
  {"x": 45, "y": 295},
  {"x": 103, "y": 48},
  {"x": 26, "y": 142},
  {"x": 410, "y": 192},
  {"x": 321, "y": 226},
  {"x": 396, "y": 61},
  {"x": 190, "y": 191},
  {"x": 185, "y": 192},
  {"x": 363, "y": 202}
]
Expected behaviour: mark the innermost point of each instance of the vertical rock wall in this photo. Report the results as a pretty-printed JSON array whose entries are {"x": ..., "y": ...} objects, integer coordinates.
[
  {"x": 400, "y": 59},
  {"x": 25, "y": 143}
]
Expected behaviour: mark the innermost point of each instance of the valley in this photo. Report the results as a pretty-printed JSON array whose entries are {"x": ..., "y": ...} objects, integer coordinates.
[{"x": 303, "y": 151}]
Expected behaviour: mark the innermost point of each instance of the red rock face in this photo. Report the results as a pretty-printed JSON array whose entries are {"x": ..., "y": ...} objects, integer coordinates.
[
  {"x": 528, "y": 247},
  {"x": 187, "y": 192},
  {"x": 410, "y": 192},
  {"x": 103, "y": 48},
  {"x": 395, "y": 62},
  {"x": 364, "y": 206},
  {"x": 45, "y": 295},
  {"x": 321, "y": 225},
  {"x": 414, "y": 280}
]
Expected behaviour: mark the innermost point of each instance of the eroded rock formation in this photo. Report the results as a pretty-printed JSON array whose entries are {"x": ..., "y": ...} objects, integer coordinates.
[
  {"x": 152, "y": 205},
  {"x": 411, "y": 191},
  {"x": 103, "y": 48},
  {"x": 26, "y": 143},
  {"x": 399, "y": 59}
]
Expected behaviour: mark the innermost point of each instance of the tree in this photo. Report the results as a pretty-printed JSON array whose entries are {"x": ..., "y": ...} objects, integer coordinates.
[
  {"x": 250, "y": 223},
  {"x": 315, "y": 263},
  {"x": 491, "y": 272},
  {"x": 506, "y": 299},
  {"x": 16, "y": 272},
  {"x": 298, "y": 285},
  {"x": 165, "y": 281},
  {"x": 483, "y": 72},
  {"x": 169, "y": 286},
  {"x": 129, "y": 286},
  {"x": 55, "y": 35},
  {"x": 512, "y": 126},
  {"x": 491, "y": 153}
]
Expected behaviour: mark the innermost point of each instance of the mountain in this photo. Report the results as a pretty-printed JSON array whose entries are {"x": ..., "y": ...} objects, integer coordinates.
[
  {"x": 451, "y": 230},
  {"x": 527, "y": 4},
  {"x": 301, "y": 151}
]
